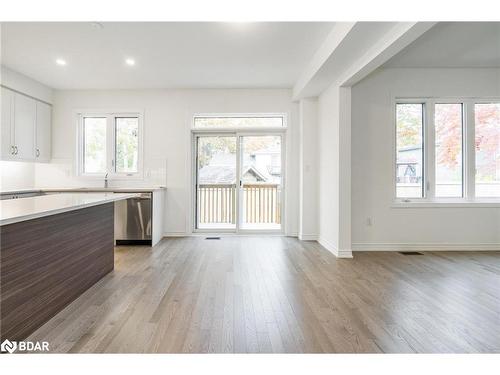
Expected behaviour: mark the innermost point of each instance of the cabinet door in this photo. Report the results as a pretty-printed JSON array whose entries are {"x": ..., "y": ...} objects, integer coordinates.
[
  {"x": 24, "y": 127},
  {"x": 43, "y": 131},
  {"x": 6, "y": 135}
]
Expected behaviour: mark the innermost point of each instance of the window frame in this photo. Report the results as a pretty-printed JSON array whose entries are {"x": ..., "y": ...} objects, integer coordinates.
[
  {"x": 425, "y": 169},
  {"x": 282, "y": 128},
  {"x": 111, "y": 116},
  {"x": 429, "y": 158}
]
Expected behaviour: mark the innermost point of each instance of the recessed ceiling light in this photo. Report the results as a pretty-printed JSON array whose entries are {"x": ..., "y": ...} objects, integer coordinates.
[
  {"x": 130, "y": 62},
  {"x": 97, "y": 25},
  {"x": 61, "y": 62}
]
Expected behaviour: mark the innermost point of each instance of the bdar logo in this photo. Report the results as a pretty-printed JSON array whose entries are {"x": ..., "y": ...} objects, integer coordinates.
[{"x": 8, "y": 346}]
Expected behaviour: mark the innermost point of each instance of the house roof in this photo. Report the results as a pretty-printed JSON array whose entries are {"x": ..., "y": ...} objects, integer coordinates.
[
  {"x": 225, "y": 175},
  {"x": 213, "y": 174}
]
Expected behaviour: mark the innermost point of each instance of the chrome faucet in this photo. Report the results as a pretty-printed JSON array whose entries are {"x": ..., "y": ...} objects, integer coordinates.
[{"x": 106, "y": 181}]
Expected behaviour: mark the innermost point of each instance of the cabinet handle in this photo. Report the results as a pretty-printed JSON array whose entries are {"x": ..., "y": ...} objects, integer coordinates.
[
  {"x": 37, "y": 152},
  {"x": 16, "y": 150},
  {"x": 12, "y": 150}
]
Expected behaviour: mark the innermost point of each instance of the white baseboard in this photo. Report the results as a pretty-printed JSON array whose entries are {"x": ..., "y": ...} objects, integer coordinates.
[
  {"x": 333, "y": 249},
  {"x": 224, "y": 234},
  {"x": 425, "y": 247},
  {"x": 308, "y": 237},
  {"x": 175, "y": 234}
]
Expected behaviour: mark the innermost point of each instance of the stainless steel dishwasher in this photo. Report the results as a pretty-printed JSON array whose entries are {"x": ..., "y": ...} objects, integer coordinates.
[{"x": 133, "y": 224}]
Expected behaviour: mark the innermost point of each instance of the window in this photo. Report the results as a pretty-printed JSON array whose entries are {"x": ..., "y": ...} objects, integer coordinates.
[
  {"x": 94, "y": 144},
  {"x": 487, "y": 143},
  {"x": 218, "y": 122},
  {"x": 127, "y": 144},
  {"x": 409, "y": 150},
  {"x": 110, "y": 144},
  {"x": 447, "y": 149},
  {"x": 448, "y": 123}
]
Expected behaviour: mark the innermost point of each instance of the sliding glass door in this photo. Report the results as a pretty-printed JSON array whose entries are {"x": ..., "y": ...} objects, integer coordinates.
[
  {"x": 239, "y": 182},
  {"x": 216, "y": 175},
  {"x": 260, "y": 187}
]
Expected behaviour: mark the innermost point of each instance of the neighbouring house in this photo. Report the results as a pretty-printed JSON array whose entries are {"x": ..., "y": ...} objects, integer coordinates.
[{"x": 263, "y": 166}]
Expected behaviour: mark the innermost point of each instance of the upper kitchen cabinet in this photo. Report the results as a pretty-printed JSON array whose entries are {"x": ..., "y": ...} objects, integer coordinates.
[
  {"x": 43, "y": 131},
  {"x": 26, "y": 127},
  {"x": 7, "y": 124}
]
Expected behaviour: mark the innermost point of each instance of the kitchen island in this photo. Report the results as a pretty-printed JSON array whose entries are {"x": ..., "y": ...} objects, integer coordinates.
[
  {"x": 151, "y": 226},
  {"x": 52, "y": 249}
]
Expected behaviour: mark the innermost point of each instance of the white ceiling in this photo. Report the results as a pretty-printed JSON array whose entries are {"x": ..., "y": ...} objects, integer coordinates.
[
  {"x": 182, "y": 55},
  {"x": 453, "y": 45}
]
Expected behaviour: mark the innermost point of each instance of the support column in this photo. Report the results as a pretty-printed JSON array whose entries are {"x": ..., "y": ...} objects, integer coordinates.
[
  {"x": 308, "y": 178},
  {"x": 344, "y": 245}
]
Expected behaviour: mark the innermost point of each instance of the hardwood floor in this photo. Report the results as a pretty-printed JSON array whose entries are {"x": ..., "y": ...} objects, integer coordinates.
[{"x": 276, "y": 294}]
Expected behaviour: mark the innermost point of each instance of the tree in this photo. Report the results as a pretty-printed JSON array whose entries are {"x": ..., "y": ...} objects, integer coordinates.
[
  {"x": 409, "y": 125},
  {"x": 487, "y": 142},
  {"x": 448, "y": 124}
]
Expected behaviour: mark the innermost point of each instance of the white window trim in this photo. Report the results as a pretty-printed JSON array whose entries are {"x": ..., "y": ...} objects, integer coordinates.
[
  {"x": 240, "y": 129},
  {"x": 110, "y": 115},
  {"x": 468, "y": 154}
]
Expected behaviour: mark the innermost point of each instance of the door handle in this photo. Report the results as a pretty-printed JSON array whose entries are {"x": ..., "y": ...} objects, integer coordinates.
[{"x": 37, "y": 152}]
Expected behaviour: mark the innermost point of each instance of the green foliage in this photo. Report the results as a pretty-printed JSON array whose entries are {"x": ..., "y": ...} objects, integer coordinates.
[
  {"x": 409, "y": 125},
  {"x": 95, "y": 145},
  {"x": 209, "y": 146},
  {"x": 127, "y": 144}
]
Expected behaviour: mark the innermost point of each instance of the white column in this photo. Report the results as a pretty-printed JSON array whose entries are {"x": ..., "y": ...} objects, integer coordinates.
[
  {"x": 308, "y": 177},
  {"x": 344, "y": 178}
]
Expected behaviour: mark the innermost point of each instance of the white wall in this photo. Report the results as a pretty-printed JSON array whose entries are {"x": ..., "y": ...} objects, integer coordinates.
[
  {"x": 168, "y": 117},
  {"x": 372, "y": 158}
]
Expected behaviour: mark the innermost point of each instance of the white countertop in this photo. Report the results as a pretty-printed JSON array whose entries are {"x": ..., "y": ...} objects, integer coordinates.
[
  {"x": 16, "y": 210},
  {"x": 146, "y": 189}
]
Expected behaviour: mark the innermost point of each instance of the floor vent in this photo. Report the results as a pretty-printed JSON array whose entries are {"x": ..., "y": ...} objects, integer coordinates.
[
  {"x": 411, "y": 253},
  {"x": 212, "y": 238}
]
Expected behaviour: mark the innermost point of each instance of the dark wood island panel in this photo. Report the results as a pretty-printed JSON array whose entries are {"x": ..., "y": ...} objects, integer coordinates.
[{"x": 48, "y": 262}]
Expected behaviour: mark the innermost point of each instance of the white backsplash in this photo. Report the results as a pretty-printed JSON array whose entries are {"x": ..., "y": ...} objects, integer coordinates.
[
  {"x": 61, "y": 173},
  {"x": 15, "y": 175}
]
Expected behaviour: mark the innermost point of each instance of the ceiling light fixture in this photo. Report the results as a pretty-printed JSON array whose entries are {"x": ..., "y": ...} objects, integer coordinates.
[
  {"x": 61, "y": 62},
  {"x": 97, "y": 25},
  {"x": 130, "y": 62}
]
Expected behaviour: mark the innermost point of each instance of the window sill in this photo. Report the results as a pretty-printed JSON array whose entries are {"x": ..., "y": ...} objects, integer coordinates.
[{"x": 491, "y": 203}]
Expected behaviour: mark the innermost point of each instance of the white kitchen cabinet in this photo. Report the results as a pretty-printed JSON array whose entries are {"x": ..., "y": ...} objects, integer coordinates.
[
  {"x": 43, "y": 131},
  {"x": 6, "y": 127},
  {"x": 25, "y": 128}
]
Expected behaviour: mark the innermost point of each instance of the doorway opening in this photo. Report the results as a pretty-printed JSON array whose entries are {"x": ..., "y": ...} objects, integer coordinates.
[{"x": 239, "y": 184}]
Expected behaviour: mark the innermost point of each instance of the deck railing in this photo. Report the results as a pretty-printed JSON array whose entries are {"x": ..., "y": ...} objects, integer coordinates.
[
  {"x": 217, "y": 203},
  {"x": 261, "y": 204}
]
